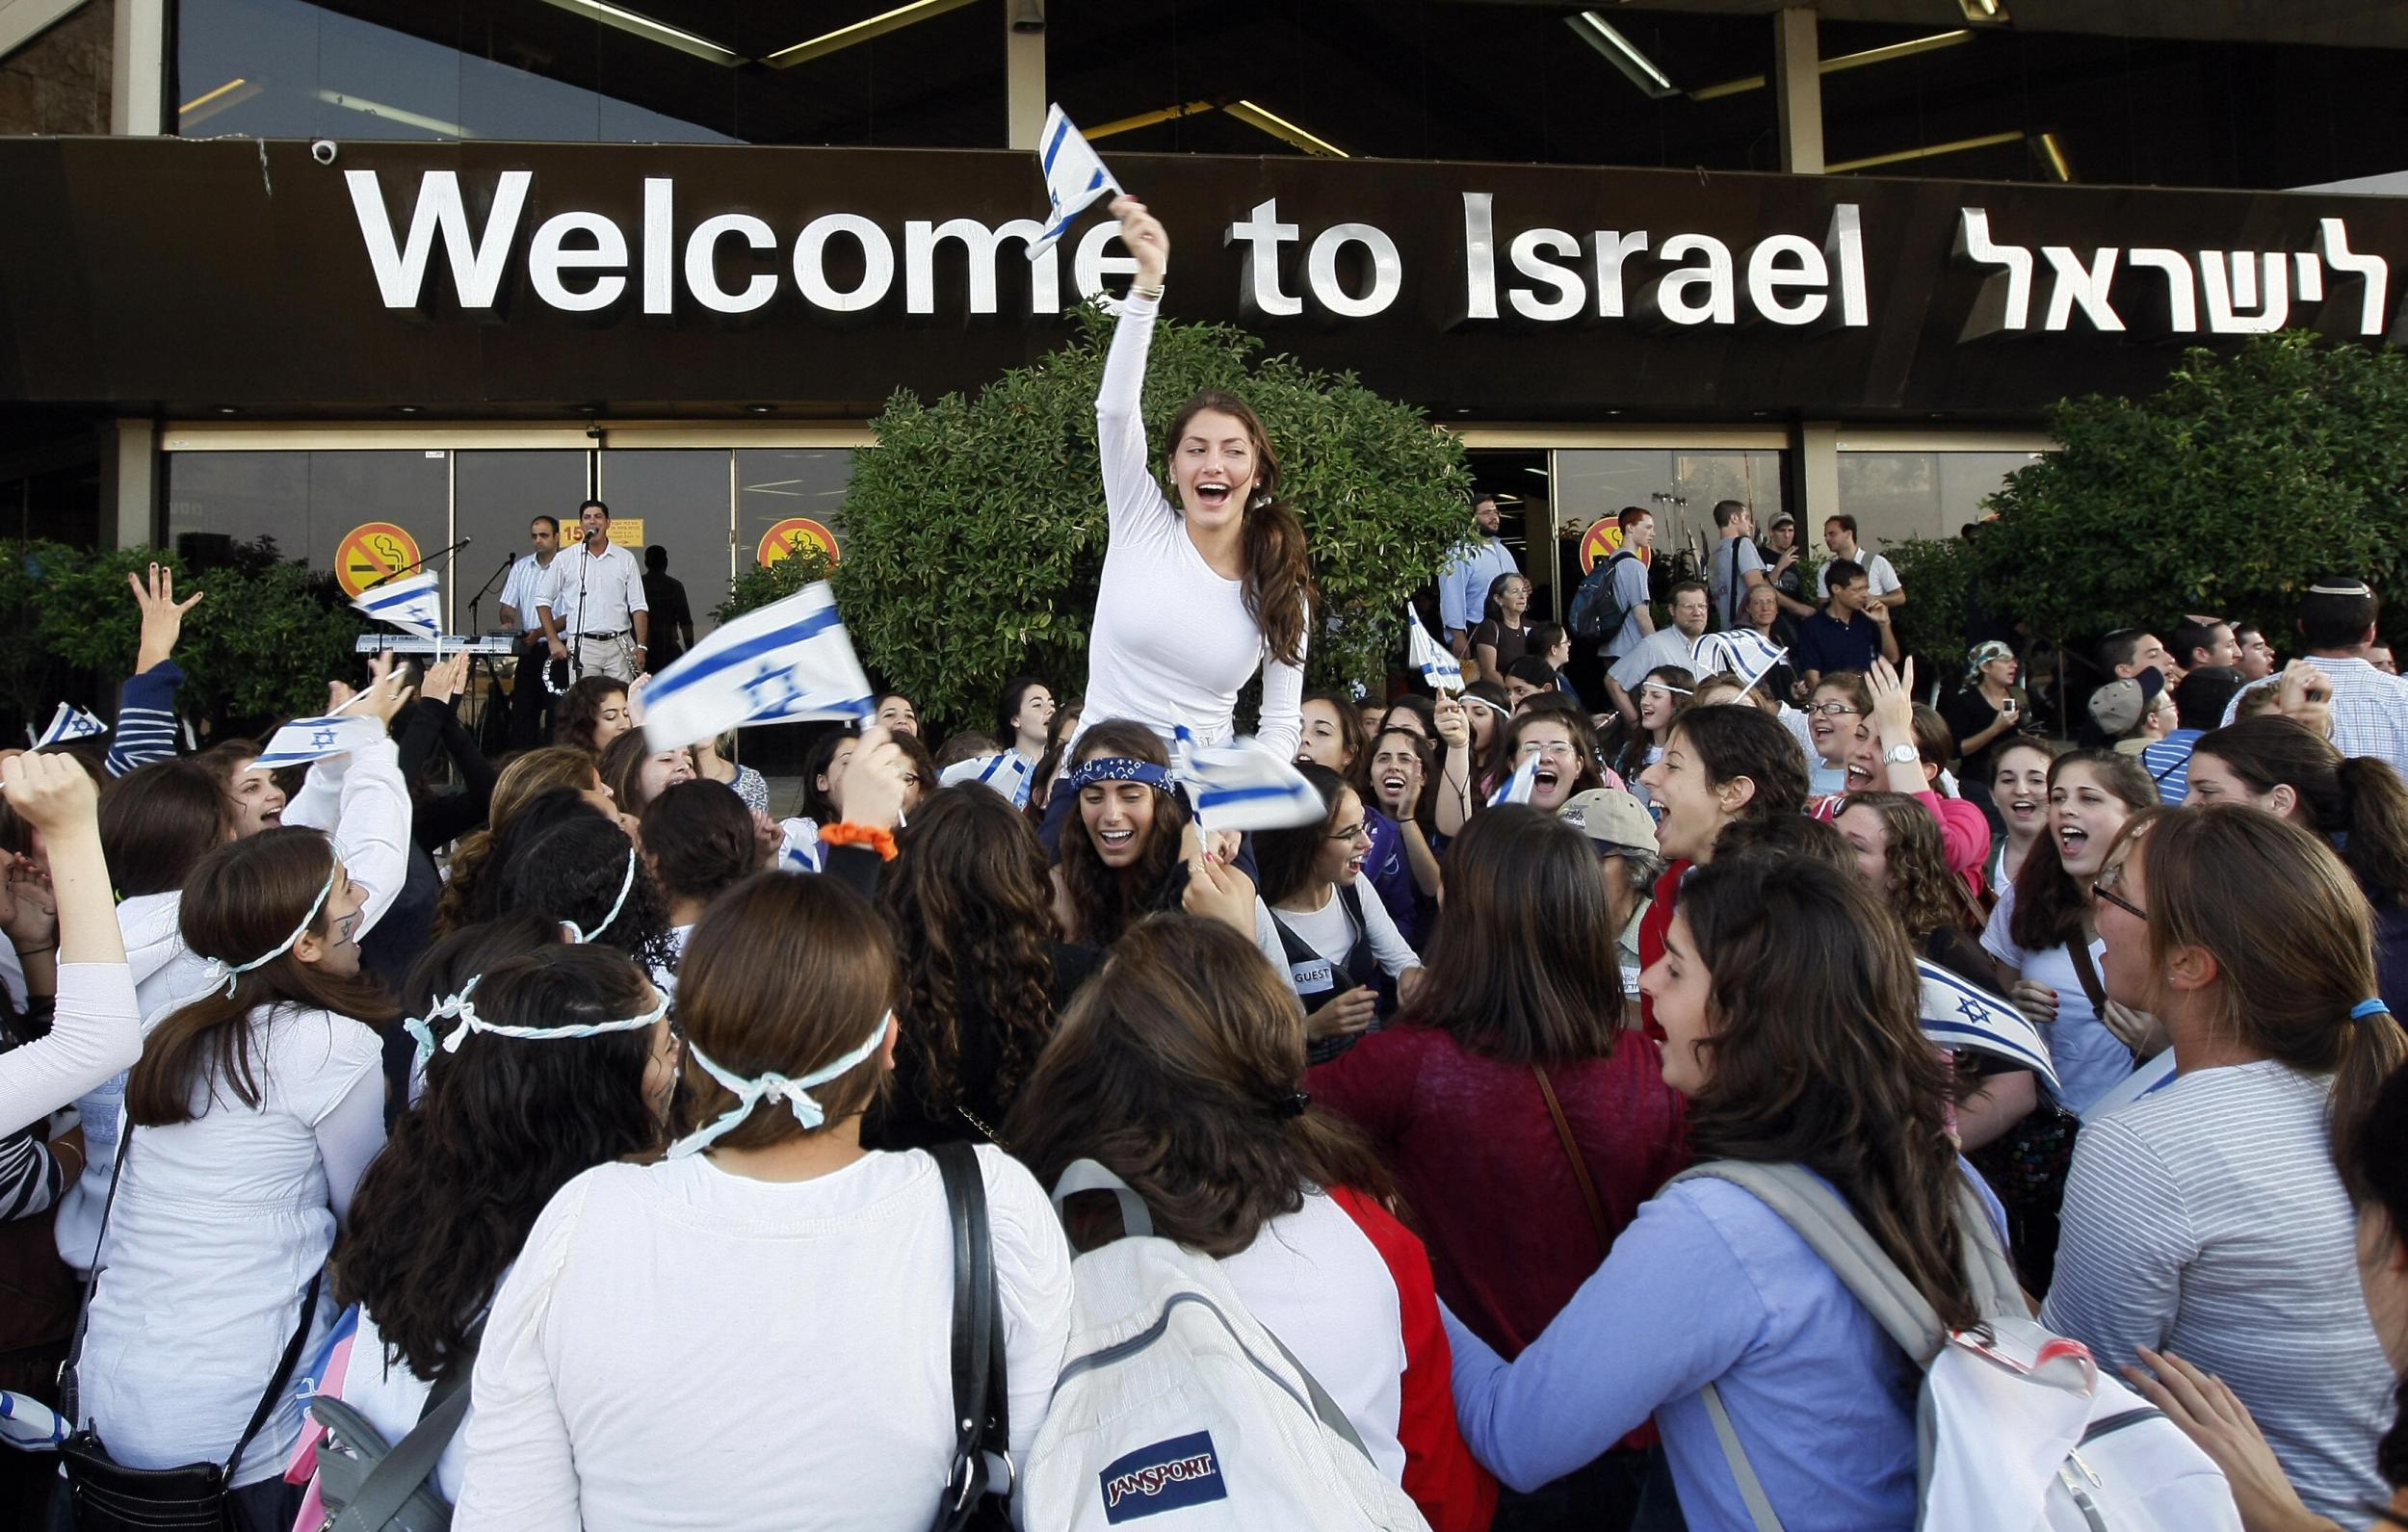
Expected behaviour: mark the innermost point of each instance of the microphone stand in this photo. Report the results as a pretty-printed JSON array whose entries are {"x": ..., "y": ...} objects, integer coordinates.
[
  {"x": 418, "y": 562},
  {"x": 492, "y": 671}
]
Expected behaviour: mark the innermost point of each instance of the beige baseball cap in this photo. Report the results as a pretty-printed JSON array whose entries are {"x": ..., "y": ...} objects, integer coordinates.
[{"x": 1612, "y": 819}]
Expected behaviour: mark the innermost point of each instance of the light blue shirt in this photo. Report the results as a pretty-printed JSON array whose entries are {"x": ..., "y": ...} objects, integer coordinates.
[
  {"x": 1709, "y": 1285},
  {"x": 1463, "y": 583}
]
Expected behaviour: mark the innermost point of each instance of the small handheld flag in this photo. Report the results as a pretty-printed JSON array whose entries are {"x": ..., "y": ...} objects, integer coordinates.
[
  {"x": 1074, "y": 178},
  {"x": 787, "y": 661},
  {"x": 414, "y": 604},
  {"x": 1005, "y": 772},
  {"x": 1959, "y": 1014},
  {"x": 1749, "y": 656},
  {"x": 1439, "y": 668},
  {"x": 306, "y": 740},
  {"x": 1241, "y": 785},
  {"x": 69, "y": 722},
  {"x": 1516, "y": 789}
]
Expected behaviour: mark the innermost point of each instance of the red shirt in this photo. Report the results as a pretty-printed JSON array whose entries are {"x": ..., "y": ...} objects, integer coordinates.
[{"x": 1483, "y": 1172}]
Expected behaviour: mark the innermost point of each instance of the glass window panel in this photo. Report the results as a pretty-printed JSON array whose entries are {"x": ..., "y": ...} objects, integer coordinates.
[
  {"x": 311, "y": 502},
  {"x": 1920, "y": 494},
  {"x": 1681, "y": 488},
  {"x": 496, "y": 495},
  {"x": 781, "y": 484},
  {"x": 681, "y": 499}
]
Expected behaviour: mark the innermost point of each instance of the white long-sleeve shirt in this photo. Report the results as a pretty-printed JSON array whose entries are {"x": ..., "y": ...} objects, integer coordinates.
[
  {"x": 1172, "y": 642},
  {"x": 677, "y": 1341},
  {"x": 94, "y": 1034}
]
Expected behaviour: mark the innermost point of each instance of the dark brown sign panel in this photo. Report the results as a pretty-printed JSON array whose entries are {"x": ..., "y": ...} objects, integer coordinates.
[{"x": 526, "y": 278}]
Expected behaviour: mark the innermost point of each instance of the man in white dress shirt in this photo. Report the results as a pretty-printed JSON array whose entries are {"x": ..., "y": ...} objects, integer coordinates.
[
  {"x": 530, "y": 704},
  {"x": 594, "y": 599}
]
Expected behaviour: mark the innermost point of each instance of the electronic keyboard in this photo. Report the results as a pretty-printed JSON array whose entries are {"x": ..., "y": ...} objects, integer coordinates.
[{"x": 500, "y": 645}]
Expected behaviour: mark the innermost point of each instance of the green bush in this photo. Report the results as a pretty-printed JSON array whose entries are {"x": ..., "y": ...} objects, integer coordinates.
[
  {"x": 1936, "y": 573},
  {"x": 975, "y": 530},
  {"x": 261, "y": 646},
  {"x": 759, "y": 585},
  {"x": 2227, "y": 492}
]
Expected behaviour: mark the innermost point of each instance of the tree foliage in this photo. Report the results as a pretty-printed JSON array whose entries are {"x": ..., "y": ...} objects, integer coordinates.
[
  {"x": 261, "y": 646},
  {"x": 2228, "y": 492},
  {"x": 1936, "y": 572},
  {"x": 759, "y": 585},
  {"x": 975, "y": 530}
]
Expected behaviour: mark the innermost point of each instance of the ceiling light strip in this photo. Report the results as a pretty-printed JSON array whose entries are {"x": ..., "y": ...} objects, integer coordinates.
[
  {"x": 1622, "y": 53},
  {"x": 636, "y": 23},
  {"x": 1841, "y": 63},
  {"x": 876, "y": 26},
  {"x": 1928, "y": 151},
  {"x": 1279, "y": 127},
  {"x": 1146, "y": 119}
]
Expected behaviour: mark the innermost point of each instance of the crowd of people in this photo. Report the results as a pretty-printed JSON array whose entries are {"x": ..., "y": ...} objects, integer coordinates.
[{"x": 610, "y": 1147}]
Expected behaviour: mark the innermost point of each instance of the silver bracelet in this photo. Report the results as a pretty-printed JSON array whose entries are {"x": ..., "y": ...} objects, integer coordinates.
[{"x": 1140, "y": 290}]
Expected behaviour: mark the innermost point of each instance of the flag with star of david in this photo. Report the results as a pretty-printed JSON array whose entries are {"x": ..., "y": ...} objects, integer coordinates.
[
  {"x": 1957, "y": 1013},
  {"x": 67, "y": 725},
  {"x": 787, "y": 662},
  {"x": 1074, "y": 178},
  {"x": 306, "y": 740},
  {"x": 414, "y": 604}
]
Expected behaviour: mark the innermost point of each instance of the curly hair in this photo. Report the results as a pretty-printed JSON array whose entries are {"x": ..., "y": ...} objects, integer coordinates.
[
  {"x": 970, "y": 904},
  {"x": 1926, "y": 896},
  {"x": 1108, "y": 900},
  {"x": 574, "y": 871},
  {"x": 581, "y": 709},
  {"x": 503, "y": 1123},
  {"x": 528, "y": 777}
]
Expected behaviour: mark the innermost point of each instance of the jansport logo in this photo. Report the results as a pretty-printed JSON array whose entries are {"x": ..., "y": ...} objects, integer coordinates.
[{"x": 1165, "y": 1476}]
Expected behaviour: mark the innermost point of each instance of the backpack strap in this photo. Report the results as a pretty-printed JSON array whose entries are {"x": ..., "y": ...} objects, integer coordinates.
[
  {"x": 1758, "y": 1504},
  {"x": 1087, "y": 1175},
  {"x": 411, "y": 1459}
]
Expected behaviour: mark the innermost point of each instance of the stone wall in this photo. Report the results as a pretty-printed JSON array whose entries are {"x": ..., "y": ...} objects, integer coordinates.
[{"x": 59, "y": 81}]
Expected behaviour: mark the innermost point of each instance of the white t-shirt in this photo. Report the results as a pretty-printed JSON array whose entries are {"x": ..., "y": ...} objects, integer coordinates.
[
  {"x": 219, "y": 1225},
  {"x": 680, "y": 1346},
  {"x": 1330, "y": 932},
  {"x": 2090, "y": 1060},
  {"x": 1879, "y": 576},
  {"x": 1172, "y": 643}
]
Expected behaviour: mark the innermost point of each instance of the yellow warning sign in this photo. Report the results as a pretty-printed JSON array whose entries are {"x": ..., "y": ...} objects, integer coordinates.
[
  {"x": 369, "y": 553},
  {"x": 1603, "y": 537},
  {"x": 628, "y": 532},
  {"x": 793, "y": 533}
]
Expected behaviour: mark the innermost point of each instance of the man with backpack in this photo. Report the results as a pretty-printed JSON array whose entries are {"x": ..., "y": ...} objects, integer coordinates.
[{"x": 1611, "y": 608}]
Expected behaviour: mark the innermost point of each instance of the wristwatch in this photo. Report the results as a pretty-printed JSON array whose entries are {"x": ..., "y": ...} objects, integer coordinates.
[{"x": 1902, "y": 755}]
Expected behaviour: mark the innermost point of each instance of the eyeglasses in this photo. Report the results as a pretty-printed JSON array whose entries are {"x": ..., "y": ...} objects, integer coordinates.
[
  {"x": 1358, "y": 832},
  {"x": 1831, "y": 709},
  {"x": 2104, "y": 887},
  {"x": 1561, "y": 749}
]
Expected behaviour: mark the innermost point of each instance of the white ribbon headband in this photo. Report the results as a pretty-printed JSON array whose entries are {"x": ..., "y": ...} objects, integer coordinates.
[
  {"x": 460, "y": 1008},
  {"x": 578, "y": 934},
  {"x": 796, "y": 1093},
  {"x": 221, "y": 972}
]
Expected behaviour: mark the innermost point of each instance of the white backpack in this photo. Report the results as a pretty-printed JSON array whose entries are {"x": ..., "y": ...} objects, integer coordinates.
[
  {"x": 2020, "y": 1432},
  {"x": 1176, "y": 1403}
]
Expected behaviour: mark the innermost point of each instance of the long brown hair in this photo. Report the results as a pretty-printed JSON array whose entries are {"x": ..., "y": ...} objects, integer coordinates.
[
  {"x": 2295, "y": 956},
  {"x": 784, "y": 974},
  {"x": 1178, "y": 1068},
  {"x": 2357, "y": 801},
  {"x": 158, "y": 821},
  {"x": 1105, "y": 899},
  {"x": 1925, "y": 894},
  {"x": 581, "y": 709},
  {"x": 2049, "y": 905},
  {"x": 1278, "y": 580},
  {"x": 1818, "y": 1058},
  {"x": 243, "y": 898},
  {"x": 1524, "y": 968},
  {"x": 621, "y": 765},
  {"x": 529, "y": 776},
  {"x": 970, "y": 904}
]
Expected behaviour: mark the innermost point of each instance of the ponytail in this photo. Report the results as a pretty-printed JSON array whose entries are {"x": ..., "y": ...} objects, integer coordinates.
[
  {"x": 2375, "y": 816},
  {"x": 2372, "y": 1046}
]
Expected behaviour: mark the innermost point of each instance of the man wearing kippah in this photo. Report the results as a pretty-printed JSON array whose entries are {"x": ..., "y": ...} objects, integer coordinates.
[{"x": 2337, "y": 619}]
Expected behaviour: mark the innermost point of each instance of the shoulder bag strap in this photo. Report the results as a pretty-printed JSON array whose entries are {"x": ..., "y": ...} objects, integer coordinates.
[
  {"x": 274, "y": 1393},
  {"x": 69, "y": 1403},
  {"x": 1580, "y": 1165},
  {"x": 1759, "y": 1512},
  {"x": 411, "y": 1459},
  {"x": 1297, "y": 949},
  {"x": 974, "y": 1326},
  {"x": 2085, "y": 969}
]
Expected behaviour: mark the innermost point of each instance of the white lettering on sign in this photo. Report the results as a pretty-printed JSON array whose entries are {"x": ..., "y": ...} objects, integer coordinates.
[
  {"x": 2242, "y": 291},
  {"x": 580, "y": 262}
]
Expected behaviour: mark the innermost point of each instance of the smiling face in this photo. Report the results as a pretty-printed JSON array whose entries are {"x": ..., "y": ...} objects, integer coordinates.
[
  {"x": 897, "y": 716},
  {"x": 1396, "y": 768},
  {"x": 1694, "y": 810},
  {"x": 663, "y": 770},
  {"x": 1868, "y": 835},
  {"x": 2021, "y": 790},
  {"x": 1214, "y": 463},
  {"x": 1832, "y": 721},
  {"x": 1551, "y": 745},
  {"x": 2083, "y": 816},
  {"x": 1323, "y": 740},
  {"x": 1118, "y": 816},
  {"x": 1657, "y": 704},
  {"x": 333, "y": 948},
  {"x": 596, "y": 523},
  {"x": 1681, "y": 992},
  {"x": 258, "y": 802},
  {"x": 1339, "y": 859},
  {"x": 1864, "y": 767}
]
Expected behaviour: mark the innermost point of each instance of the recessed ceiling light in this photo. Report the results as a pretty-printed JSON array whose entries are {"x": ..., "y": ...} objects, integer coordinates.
[
  {"x": 760, "y": 409},
  {"x": 228, "y": 409}
]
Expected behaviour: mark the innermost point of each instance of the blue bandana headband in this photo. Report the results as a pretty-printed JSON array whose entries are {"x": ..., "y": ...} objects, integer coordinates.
[
  {"x": 796, "y": 1093},
  {"x": 578, "y": 934},
  {"x": 459, "y": 1008},
  {"x": 1117, "y": 768}
]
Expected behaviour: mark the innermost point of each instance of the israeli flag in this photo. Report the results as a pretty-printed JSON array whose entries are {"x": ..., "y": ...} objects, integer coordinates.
[
  {"x": 1959, "y": 1014},
  {"x": 2150, "y": 1077},
  {"x": 787, "y": 661},
  {"x": 306, "y": 740},
  {"x": 1005, "y": 772},
  {"x": 414, "y": 604},
  {"x": 1750, "y": 655},
  {"x": 29, "y": 1425},
  {"x": 1516, "y": 789},
  {"x": 69, "y": 722},
  {"x": 1241, "y": 785},
  {"x": 1437, "y": 666},
  {"x": 1074, "y": 178}
]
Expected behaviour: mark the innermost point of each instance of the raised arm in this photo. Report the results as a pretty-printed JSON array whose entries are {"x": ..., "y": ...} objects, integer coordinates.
[
  {"x": 97, "y": 1030},
  {"x": 1129, "y": 486}
]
